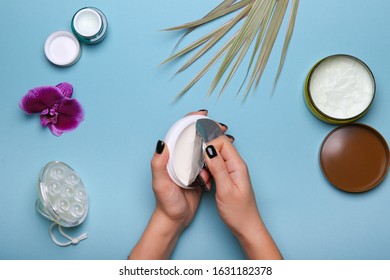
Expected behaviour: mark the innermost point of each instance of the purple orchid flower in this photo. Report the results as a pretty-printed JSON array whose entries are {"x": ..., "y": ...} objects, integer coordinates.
[{"x": 57, "y": 109}]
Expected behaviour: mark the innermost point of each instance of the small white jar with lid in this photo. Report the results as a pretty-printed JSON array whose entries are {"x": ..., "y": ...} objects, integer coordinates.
[{"x": 89, "y": 25}]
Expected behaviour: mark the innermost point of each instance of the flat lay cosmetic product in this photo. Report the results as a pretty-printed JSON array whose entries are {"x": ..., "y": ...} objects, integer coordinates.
[
  {"x": 89, "y": 25},
  {"x": 354, "y": 157},
  {"x": 62, "y": 48},
  {"x": 62, "y": 199},
  {"x": 186, "y": 142},
  {"x": 339, "y": 89}
]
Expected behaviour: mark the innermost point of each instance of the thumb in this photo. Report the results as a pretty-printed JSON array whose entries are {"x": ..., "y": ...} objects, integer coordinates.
[
  {"x": 218, "y": 169},
  {"x": 160, "y": 160}
]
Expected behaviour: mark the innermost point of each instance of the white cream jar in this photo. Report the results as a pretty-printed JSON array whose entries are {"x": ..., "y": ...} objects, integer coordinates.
[
  {"x": 339, "y": 89},
  {"x": 185, "y": 151}
]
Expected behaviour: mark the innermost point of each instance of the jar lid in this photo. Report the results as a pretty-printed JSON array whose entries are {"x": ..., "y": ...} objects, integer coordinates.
[
  {"x": 62, "y": 194},
  {"x": 354, "y": 157},
  {"x": 62, "y": 48}
]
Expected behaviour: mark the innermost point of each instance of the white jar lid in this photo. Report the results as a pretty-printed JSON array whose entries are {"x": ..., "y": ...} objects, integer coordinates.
[
  {"x": 62, "y": 48},
  {"x": 171, "y": 140}
]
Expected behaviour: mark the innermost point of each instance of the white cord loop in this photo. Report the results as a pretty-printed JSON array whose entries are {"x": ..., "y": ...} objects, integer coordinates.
[{"x": 72, "y": 241}]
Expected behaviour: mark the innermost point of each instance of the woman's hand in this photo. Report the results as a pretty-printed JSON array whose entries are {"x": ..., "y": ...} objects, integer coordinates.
[
  {"x": 175, "y": 207},
  {"x": 236, "y": 201},
  {"x": 177, "y": 204}
]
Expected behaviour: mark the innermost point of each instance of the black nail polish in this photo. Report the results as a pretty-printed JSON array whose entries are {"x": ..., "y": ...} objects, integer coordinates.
[
  {"x": 230, "y": 137},
  {"x": 223, "y": 125},
  {"x": 201, "y": 183},
  {"x": 211, "y": 152},
  {"x": 160, "y": 147},
  {"x": 203, "y": 110}
]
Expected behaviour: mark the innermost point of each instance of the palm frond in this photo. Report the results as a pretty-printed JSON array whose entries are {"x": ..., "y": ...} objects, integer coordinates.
[
  {"x": 217, "y": 13},
  {"x": 268, "y": 42},
  {"x": 227, "y": 27},
  {"x": 208, "y": 66},
  {"x": 247, "y": 34},
  {"x": 257, "y": 28},
  {"x": 291, "y": 24},
  {"x": 223, "y": 5},
  {"x": 262, "y": 20}
]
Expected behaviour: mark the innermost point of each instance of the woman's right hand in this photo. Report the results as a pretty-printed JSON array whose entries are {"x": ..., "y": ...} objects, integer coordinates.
[{"x": 236, "y": 201}]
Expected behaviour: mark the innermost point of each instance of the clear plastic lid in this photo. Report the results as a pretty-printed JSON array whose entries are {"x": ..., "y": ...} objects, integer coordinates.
[{"x": 62, "y": 194}]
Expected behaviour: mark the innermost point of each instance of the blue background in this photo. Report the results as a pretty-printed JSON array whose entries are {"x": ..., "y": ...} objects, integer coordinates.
[{"x": 129, "y": 104}]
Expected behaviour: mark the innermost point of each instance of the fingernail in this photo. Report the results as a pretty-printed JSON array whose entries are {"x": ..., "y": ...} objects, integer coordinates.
[
  {"x": 223, "y": 125},
  {"x": 160, "y": 147},
  {"x": 201, "y": 183},
  {"x": 211, "y": 152},
  {"x": 230, "y": 136},
  {"x": 203, "y": 110}
]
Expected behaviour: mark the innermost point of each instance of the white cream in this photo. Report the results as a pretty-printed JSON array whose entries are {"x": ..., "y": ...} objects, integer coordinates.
[
  {"x": 62, "y": 48},
  {"x": 187, "y": 155},
  {"x": 341, "y": 87},
  {"x": 87, "y": 22}
]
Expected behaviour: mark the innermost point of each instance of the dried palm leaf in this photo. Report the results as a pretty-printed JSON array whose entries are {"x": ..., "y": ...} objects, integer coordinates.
[{"x": 262, "y": 20}]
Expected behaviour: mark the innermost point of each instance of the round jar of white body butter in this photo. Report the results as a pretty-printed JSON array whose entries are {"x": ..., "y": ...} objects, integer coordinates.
[
  {"x": 339, "y": 89},
  {"x": 185, "y": 151}
]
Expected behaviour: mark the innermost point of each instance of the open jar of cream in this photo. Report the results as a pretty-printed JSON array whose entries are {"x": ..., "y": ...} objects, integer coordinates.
[
  {"x": 89, "y": 25},
  {"x": 186, "y": 141},
  {"x": 339, "y": 89}
]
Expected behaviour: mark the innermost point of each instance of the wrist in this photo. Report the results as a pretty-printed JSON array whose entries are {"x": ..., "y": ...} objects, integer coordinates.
[
  {"x": 167, "y": 225},
  {"x": 248, "y": 231},
  {"x": 158, "y": 239},
  {"x": 257, "y": 242}
]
